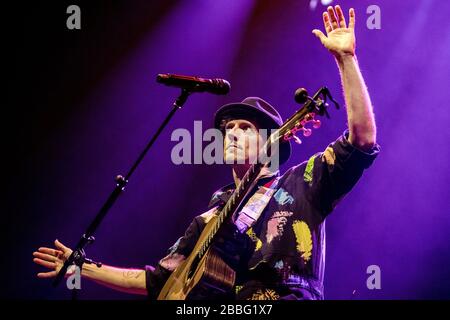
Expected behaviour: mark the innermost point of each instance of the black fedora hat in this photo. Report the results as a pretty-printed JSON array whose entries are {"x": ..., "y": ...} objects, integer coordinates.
[{"x": 255, "y": 108}]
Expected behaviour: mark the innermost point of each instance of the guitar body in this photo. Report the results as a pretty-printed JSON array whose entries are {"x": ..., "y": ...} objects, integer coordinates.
[{"x": 205, "y": 278}]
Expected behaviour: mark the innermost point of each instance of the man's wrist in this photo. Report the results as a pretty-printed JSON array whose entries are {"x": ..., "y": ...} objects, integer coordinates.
[
  {"x": 345, "y": 58},
  {"x": 88, "y": 270}
]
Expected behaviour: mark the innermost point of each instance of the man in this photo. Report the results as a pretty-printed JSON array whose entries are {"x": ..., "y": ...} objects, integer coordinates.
[{"x": 277, "y": 249}]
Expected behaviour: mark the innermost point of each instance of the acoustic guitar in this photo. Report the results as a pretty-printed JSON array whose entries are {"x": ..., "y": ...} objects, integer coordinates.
[{"x": 204, "y": 274}]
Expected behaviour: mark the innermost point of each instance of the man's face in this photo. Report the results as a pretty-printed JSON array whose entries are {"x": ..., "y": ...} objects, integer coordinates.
[{"x": 242, "y": 142}]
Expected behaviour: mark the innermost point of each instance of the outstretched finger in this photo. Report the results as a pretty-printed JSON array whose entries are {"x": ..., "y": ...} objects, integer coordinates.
[
  {"x": 49, "y": 251},
  {"x": 50, "y": 265},
  {"x": 44, "y": 256},
  {"x": 60, "y": 246},
  {"x": 327, "y": 23},
  {"x": 56, "y": 253},
  {"x": 333, "y": 18},
  {"x": 351, "y": 13},
  {"x": 50, "y": 274},
  {"x": 319, "y": 34},
  {"x": 341, "y": 18}
]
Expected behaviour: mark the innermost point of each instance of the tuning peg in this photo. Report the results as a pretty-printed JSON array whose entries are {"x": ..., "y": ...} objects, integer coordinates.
[
  {"x": 316, "y": 124},
  {"x": 286, "y": 137},
  {"x": 307, "y": 132},
  {"x": 310, "y": 116},
  {"x": 297, "y": 139}
]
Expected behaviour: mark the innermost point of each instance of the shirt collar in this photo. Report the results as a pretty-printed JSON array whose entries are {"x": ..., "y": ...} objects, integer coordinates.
[{"x": 221, "y": 196}]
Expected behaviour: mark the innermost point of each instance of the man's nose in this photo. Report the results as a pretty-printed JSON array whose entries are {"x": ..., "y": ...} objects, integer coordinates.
[{"x": 233, "y": 134}]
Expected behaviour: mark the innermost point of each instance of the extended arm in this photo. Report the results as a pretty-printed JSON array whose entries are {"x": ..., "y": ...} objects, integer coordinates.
[{"x": 340, "y": 41}]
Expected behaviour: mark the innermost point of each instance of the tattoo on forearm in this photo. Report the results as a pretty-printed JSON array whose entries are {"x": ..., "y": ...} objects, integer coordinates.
[{"x": 132, "y": 274}]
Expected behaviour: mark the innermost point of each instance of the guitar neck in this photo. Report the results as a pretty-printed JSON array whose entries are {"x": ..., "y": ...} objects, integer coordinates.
[{"x": 246, "y": 184}]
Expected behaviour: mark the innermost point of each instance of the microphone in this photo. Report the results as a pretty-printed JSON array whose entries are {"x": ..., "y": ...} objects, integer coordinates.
[{"x": 195, "y": 84}]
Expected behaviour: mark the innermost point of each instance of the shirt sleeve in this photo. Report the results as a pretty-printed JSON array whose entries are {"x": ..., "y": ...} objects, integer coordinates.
[
  {"x": 157, "y": 276},
  {"x": 331, "y": 174}
]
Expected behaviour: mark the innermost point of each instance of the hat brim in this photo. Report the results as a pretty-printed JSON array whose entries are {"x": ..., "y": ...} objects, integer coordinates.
[{"x": 249, "y": 112}]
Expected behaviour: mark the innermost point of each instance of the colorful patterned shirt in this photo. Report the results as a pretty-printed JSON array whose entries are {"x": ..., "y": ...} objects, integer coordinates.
[{"x": 282, "y": 255}]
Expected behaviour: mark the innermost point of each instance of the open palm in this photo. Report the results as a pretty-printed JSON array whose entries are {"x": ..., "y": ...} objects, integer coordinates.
[
  {"x": 340, "y": 40},
  {"x": 52, "y": 259}
]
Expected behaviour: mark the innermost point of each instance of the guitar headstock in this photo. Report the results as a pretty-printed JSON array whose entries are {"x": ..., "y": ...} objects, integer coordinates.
[
  {"x": 304, "y": 119},
  {"x": 301, "y": 125}
]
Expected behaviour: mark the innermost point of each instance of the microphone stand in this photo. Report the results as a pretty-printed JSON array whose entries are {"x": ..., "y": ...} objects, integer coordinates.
[{"x": 78, "y": 256}]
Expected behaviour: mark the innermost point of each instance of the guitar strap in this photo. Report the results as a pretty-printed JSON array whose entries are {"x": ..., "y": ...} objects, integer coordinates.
[{"x": 255, "y": 206}]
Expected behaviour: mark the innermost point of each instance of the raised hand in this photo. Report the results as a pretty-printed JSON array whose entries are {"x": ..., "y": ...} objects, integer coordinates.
[
  {"x": 52, "y": 259},
  {"x": 340, "y": 40}
]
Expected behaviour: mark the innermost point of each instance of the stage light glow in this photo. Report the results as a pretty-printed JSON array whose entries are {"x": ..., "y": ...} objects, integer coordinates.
[{"x": 313, "y": 3}]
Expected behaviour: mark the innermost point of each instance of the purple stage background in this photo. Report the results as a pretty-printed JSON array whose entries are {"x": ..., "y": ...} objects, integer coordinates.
[{"x": 93, "y": 102}]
